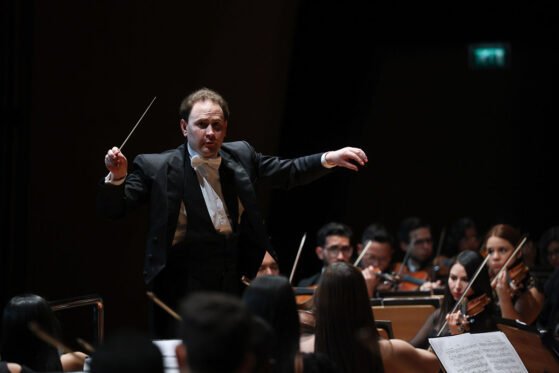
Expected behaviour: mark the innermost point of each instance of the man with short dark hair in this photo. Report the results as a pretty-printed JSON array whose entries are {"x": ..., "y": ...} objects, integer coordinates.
[
  {"x": 416, "y": 243},
  {"x": 333, "y": 242},
  {"x": 378, "y": 256}
]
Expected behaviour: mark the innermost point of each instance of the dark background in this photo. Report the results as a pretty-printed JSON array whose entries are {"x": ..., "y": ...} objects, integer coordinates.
[{"x": 443, "y": 140}]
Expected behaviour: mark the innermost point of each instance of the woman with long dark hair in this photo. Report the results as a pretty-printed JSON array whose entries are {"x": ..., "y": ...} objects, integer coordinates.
[
  {"x": 346, "y": 332},
  {"x": 520, "y": 298},
  {"x": 272, "y": 299},
  {"x": 461, "y": 272},
  {"x": 19, "y": 345}
]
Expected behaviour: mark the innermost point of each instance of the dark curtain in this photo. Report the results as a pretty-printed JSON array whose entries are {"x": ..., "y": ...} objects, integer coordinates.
[{"x": 15, "y": 67}]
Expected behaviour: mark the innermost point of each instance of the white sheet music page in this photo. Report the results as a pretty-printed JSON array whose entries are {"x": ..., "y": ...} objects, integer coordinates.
[{"x": 477, "y": 353}]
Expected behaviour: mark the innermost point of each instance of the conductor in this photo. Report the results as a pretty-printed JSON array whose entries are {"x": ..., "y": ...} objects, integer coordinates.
[{"x": 205, "y": 227}]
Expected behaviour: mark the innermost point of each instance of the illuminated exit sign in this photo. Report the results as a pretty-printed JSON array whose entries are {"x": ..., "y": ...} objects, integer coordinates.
[{"x": 489, "y": 56}]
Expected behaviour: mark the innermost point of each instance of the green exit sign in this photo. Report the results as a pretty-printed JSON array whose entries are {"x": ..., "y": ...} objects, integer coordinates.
[{"x": 489, "y": 56}]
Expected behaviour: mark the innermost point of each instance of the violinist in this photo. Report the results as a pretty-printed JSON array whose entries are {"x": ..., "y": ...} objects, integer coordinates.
[
  {"x": 378, "y": 256},
  {"x": 517, "y": 292},
  {"x": 549, "y": 248},
  {"x": 343, "y": 312},
  {"x": 333, "y": 245},
  {"x": 476, "y": 318},
  {"x": 416, "y": 244},
  {"x": 462, "y": 235}
]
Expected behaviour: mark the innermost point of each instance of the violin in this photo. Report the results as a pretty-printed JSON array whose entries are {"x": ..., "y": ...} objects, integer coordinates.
[
  {"x": 304, "y": 297},
  {"x": 518, "y": 273},
  {"x": 441, "y": 265},
  {"x": 406, "y": 280},
  {"x": 477, "y": 305}
]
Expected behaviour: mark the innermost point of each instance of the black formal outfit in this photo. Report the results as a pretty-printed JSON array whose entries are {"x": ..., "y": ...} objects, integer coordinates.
[{"x": 205, "y": 259}]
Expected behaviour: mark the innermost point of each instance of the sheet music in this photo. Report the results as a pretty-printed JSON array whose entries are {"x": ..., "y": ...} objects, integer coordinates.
[{"x": 477, "y": 353}]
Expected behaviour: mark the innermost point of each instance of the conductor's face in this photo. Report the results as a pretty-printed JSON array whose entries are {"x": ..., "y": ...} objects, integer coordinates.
[{"x": 206, "y": 128}]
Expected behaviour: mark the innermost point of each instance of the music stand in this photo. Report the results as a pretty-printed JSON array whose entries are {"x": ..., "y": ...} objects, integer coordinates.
[{"x": 527, "y": 341}]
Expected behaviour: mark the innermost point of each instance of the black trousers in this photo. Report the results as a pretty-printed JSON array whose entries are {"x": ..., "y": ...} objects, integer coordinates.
[{"x": 207, "y": 265}]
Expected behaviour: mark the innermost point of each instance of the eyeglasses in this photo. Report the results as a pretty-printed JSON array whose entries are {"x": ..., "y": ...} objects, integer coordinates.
[
  {"x": 335, "y": 250},
  {"x": 423, "y": 241}
]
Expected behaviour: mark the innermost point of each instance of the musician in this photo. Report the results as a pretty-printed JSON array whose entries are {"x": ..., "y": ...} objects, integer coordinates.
[
  {"x": 269, "y": 266},
  {"x": 272, "y": 299},
  {"x": 549, "y": 247},
  {"x": 416, "y": 244},
  {"x": 461, "y": 272},
  {"x": 333, "y": 246},
  {"x": 462, "y": 235},
  {"x": 517, "y": 299},
  {"x": 19, "y": 345},
  {"x": 379, "y": 254},
  {"x": 346, "y": 333},
  {"x": 216, "y": 334},
  {"x": 127, "y": 352},
  {"x": 205, "y": 230}
]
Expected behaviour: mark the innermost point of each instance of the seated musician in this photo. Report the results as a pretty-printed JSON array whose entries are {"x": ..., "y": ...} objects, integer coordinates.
[
  {"x": 379, "y": 255},
  {"x": 20, "y": 346},
  {"x": 461, "y": 272},
  {"x": 343, "y": 313},
  {"x": 216, "y": 334},
  {"x": 269, "y": 266},
  {"x": 519, "y": 296},
  {"x": 272, "y": 299},
  {"x": 333, "y": 245},
  {"x": 416, "y": 244},
  {"x": 127, "y": 352},
  {"x": 549, "y": 248}
]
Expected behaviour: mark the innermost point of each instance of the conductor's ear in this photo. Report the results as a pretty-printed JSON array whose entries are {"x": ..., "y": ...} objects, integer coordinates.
[
  {"x": 180, "y": 351},
  {"x": 184, "y": 126}
]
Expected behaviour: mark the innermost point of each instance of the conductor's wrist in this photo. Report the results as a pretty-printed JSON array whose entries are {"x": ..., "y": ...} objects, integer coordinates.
[
  {"x": 115, "y": 179},
  {"x": 326, "y": 163}
]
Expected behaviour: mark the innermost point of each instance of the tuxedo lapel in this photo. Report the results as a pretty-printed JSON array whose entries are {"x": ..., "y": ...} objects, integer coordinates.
[
  {"x": 247, "y": 195},
  {"x": 229, "y": 190},
  {"x": 175, "y": 186}
]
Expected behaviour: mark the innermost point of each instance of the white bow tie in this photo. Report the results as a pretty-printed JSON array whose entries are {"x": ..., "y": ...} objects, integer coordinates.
[{"x": 197, "y": 161}]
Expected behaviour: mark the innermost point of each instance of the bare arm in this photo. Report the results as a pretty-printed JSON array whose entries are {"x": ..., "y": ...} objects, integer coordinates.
[
  {"x": 72, "y": 362},
  {"x": 526, "y": 308},
  {"x": 400, "y": 356},
  {"x": 420, "y": 339},
  {"x": 529, "y": 305}
]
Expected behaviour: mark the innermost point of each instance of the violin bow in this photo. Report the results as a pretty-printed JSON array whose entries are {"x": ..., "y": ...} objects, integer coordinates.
[
  {"x": 406, "y": 257},
  {"x": 86, "y": 346},
  {"x": 165, "y": 307},
  {"x": 507, "y": 262},
  {"x": 297, "y": 257},
  {"x": 470, "y": 283},
  {"x": 441, "y": 240},
  {"x": 138, "y": 122},
  {"x": 365, "y": 249},
  {"x": 50, "y": 340}
]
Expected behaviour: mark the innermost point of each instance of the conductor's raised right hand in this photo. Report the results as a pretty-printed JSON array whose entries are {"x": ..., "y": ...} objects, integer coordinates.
[{"x": 116, "y": 163}]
